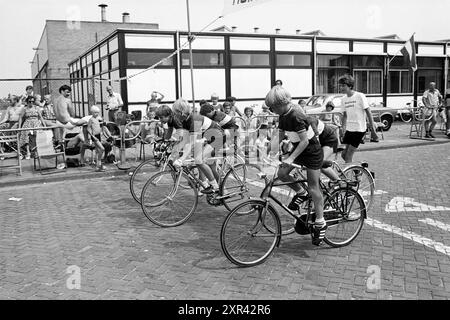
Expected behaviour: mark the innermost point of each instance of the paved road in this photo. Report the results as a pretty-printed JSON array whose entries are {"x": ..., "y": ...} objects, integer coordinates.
[{"x": 96, "y": 226}]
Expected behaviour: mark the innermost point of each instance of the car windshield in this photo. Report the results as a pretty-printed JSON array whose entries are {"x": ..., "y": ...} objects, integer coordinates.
[{"x": 316, "y": 100}]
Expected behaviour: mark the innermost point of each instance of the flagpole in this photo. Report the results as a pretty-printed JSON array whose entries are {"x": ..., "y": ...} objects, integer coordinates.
[{"x": 191, "y": 62}]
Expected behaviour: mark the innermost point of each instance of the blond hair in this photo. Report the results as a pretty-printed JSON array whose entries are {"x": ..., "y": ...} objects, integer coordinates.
[
  {"x": 181, "y": 106},
  {"x": 95, "y": 108},
  {"x": 277, "y": 96}
]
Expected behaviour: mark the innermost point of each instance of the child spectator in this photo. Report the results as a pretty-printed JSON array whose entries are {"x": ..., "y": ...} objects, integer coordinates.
[
  {"x": 235, "y": 109},
  {"x": 94, "y": 131}
]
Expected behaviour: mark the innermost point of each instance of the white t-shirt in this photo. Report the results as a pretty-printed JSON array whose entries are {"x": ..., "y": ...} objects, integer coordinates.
[
  {"x": 432, "y": 97},
  {"x": 355, "y": 107},
  {"x": 114, "y": 101}
]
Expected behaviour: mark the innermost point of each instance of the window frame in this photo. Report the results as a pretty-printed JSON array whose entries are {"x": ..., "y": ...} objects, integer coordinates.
[
  {"x": 222, "y": 52},
  {"x": 287, "y": 53},
  {"x": 232, "y": 52},
  {"x": 367, "y": 70},
  {"x": 140, "y": 66}
]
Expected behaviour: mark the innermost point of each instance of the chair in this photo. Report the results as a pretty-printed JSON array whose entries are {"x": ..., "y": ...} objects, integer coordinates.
[
  {"x": 12, "y": 141},
  {"x": 45, "y": 149},
  {"x": 378, "y": 124}
]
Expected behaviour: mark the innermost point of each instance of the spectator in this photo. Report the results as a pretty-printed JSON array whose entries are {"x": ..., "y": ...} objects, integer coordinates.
[
  {"x": 265, "y": 123},
  {"x": 279, "y": 83},
  {"x": 432, "y": 99},
  {"x": 227, "y": 109},
  {"x": 94, "y": 132},
  {"x": 331, "y": 120},
  {"x": 302, "y": 104},
  {"x": 11, "y": 119},
  {"x": 249, "y": 126},
  {"x": 447, "y": 111},
  {"x": 48, "y": 113},
  {"x": 215, "y": 102},
  {"x": 114, "y": 103},
  {"x": 28, "y": 93},
  {"x": 31, "y": 118},
  {"x": 356, "y": 109},
  {"x": 235, "y": 109},
  {"x": 225, "y": 121},
  {"x": 154, "y": 101}
]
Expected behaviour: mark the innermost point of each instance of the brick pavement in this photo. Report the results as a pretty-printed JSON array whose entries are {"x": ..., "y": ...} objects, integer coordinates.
[{"x": 96, "y": 225}]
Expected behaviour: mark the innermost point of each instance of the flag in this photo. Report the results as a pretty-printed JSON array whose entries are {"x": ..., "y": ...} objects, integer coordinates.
[
  {"x": 236, "y": 5},
  {"x": 409, "y": 51}
]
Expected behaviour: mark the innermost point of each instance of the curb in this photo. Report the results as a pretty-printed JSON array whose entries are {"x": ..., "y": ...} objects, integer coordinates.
[
  {"x": 413, "y": 144},
  {"x": 63, "y": 177}
]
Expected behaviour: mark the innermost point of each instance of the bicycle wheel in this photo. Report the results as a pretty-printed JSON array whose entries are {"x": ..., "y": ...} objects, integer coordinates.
[
  {"x": 240, "y": 183},
  {"x": 406, "y": 117},
  {"x": 245, "y": 238},
  {"x": 140, "y": 176},
  {"x": 344, "y": 212},
  {"x": 284, "y": 194},
  {"x": 366, "y": 183},
  {"x": 166, "y": 203}
]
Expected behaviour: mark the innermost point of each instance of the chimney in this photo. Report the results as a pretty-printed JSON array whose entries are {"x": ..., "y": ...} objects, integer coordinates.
[
  {"x": 297, "y": 31},
  {"x": 277, "y": 30},
  {"x": 103, "y": 8},
  {"x": 233, "y": 29},
  {"x": 125, "y": 17},
  {"x": 256, "y": 29}
]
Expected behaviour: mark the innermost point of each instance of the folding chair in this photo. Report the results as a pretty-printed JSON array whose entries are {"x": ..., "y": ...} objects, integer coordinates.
[
  {"x": 45, "y": 149},
  {"x": 12, "y": 141}
]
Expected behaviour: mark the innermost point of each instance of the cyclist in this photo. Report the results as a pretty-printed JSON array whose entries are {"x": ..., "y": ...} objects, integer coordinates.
[
  {"x": 200, "y": 136},
  {"x": 226, "y": 122},
  {"x": 307, "y": 152}
]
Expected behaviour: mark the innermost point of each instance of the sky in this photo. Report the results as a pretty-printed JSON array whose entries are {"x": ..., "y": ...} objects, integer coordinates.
[{"x": 22, "y": 21}]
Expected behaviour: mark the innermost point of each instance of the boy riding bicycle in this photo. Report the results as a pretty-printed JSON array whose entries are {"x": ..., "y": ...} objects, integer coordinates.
[
  {"x": 201, "y": 137},
  {"x": 307, "y": 152}
]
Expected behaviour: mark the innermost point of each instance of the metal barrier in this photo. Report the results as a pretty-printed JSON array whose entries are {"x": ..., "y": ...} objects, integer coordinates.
[{"x": 123, "y": 165}]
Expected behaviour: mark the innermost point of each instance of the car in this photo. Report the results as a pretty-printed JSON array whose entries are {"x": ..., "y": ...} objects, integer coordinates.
[{"x": 316, "y": 104}]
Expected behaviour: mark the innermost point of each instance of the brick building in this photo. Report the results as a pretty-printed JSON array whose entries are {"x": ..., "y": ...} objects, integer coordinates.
[{"x": 62, "y": 41}]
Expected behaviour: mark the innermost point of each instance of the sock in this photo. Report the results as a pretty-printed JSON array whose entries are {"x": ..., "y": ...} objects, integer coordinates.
[
  {"x": 214, "y": 184},
  {"x": 205, "y": 184},
  {"x": 320, "y": 222}
]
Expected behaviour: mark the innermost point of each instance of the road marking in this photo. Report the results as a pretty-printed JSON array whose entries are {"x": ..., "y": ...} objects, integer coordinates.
[
  {"x": 436, "y": 223},
  {"x": 375, "y": 193},
  {"x": 438, "y": 246},
  {"x": 404, "y": 204}
]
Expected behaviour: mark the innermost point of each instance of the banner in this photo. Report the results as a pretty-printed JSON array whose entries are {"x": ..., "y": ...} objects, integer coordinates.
[
  {"x": 236, "y": 5},
  {"x": 409, "y": 51}
]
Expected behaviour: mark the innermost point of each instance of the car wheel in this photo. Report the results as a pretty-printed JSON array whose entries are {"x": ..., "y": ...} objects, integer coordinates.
[{"x": 386, "y": 120}]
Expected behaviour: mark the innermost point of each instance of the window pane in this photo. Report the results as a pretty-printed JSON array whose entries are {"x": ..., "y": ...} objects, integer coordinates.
[
  {"x": 375, "y": 82},
  {"x": 294, "y": 60},
  {"x": 103, "y": 50},
  {"x": 332, "y": 61},
  {"x": 89, "y": 58},
  {"x": 113, "y": 44},
  {"x": 406, "y": 77},
  {"x": 327, "y": 80},
  {"x": 115, "y": 84},
  {"x": 97, "y": 67},
  {"x": 427, "y": 76},
  {"x": 367, "y": 61},
  {"x": 115, "y": 60},
  {"x": 148, "y": 58},
  {"x": 394, "y": 82},
  {"x": 430, "y": 62},
  {"x": 203, "y": 59},
  {"x": 361, "y": 81},
  {"x": 95, "y": 54},
  {"x": 250, "y": 59},
  {"x": 105, "y": 65}
]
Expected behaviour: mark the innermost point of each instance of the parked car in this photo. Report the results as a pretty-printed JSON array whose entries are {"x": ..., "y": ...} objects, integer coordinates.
[{"x": 317, "y": 103}]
